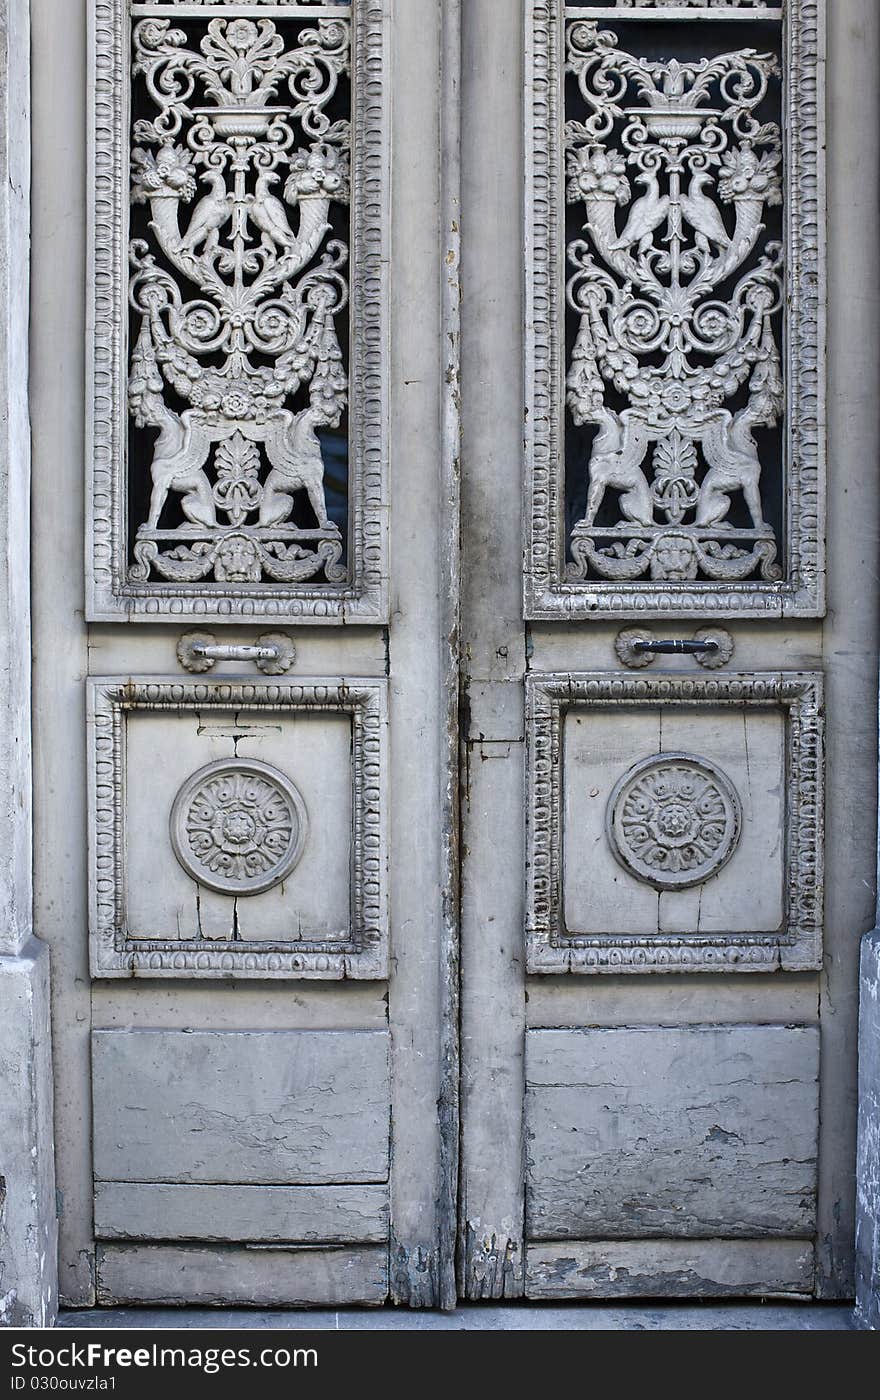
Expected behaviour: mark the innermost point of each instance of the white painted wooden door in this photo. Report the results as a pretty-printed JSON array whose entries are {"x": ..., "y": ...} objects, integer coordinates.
[
  {"x": 245, "y": 246},
  {"x": 241, "y": 729},
  {"x": 658, "y": 1013}
]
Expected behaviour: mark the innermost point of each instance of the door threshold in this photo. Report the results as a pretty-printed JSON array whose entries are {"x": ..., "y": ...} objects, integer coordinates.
[{"x": 483, "y": 1317}]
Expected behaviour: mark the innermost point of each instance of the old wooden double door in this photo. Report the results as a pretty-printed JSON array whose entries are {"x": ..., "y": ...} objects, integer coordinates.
[{"x": 423, "y": 925}]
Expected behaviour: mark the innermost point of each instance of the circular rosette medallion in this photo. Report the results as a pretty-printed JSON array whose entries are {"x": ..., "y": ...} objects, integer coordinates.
[
  {"x": 238, "y": 826},
  {"x": 673, "y": 820}
]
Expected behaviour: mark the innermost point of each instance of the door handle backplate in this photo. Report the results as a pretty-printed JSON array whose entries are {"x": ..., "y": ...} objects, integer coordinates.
[
  {"x": 273, "y": 653},
  {"x": 710, "y": 647}
]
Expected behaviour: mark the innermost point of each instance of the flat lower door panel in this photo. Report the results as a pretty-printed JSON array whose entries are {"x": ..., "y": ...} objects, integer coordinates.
[
  {"x": 700, "y": 1131},
  {"x": 241, "y": 1107},
  {"x": 256, "y": 1277},
  {"x": 669, "y": 1269}
]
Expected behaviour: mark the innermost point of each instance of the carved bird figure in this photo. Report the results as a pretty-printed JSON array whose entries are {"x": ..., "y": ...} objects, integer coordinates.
[
  {"x": 269, "y": 215},
  {"x": 209, "y": 215},
  {"x": 644, "y": 216},
  {"x": 702, "y": 214}
]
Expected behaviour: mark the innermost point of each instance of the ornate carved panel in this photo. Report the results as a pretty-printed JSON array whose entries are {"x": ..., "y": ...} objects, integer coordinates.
[
  {"x": 674, "y": 399},
  {"x": 238, "y": 828},
  {"x": 674, "y": 822},
  {"x": 239, "y": 185},
  {"x": 685, "y": 4}
]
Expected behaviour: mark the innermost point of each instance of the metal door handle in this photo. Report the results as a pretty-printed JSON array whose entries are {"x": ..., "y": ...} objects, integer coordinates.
[
  {"x": 273, "y": 653},
  {"x": 671, "y": 647},
  {"x": 710, "y": 647},
  {"x": 227, "y": 653}
]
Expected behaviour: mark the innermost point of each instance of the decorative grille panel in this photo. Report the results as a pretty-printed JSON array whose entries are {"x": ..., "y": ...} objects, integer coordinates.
[
  {"x": 239, "y": 186},
  {"x": 674, "y": 309}
]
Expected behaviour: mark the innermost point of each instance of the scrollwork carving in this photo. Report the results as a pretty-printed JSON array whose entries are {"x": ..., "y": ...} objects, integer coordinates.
[
  {"x": 690, "y": 414},
  {"x": 681, "y": 148},
  {"x": 245, "y": 356},
  {"x": 236, "y": 113}
]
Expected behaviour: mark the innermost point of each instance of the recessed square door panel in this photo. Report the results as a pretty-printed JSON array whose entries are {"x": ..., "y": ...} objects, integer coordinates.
[
  {"x": 238, "y": 828},
  {"x": 639, "y": 835},
  {"x": 166, "y": 893},
  {"x": 674, "y": 822}
]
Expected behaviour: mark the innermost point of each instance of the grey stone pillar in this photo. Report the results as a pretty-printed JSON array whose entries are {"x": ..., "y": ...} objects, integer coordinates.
[
  {"x": 868, "y": 1155},
  {"x": 28, "y": 1264}
]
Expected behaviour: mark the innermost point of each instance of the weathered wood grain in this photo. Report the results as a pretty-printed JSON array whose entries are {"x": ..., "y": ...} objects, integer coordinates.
[
  {"x": 238, "y": 1006},
  {"x": 868, "y": 1141},
  {"x": 669, "y": 1269},
  {"x": 703, "y": 1131},
  {"x": 253, "y": 1277},
  {"x": 493, "y": 647},
  {"x": 492, "y": 1039},
  {"x": 241, "y": 1106},
  {"x": 141, "y": 1210},
  {"x": 851, "y": 627},
  {"x": 448, "y": 1098},
  {"x": 686, "y": 999},
  {"x": 423, "y": 532}
]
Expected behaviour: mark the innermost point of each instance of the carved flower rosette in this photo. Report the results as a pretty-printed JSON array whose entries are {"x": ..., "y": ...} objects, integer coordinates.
[
  {"x": 674, "y": 820},
  {"x": 674, "y": 377},
  {"x": 238, "y": 383},
  {"x": 238, "y": 826}
]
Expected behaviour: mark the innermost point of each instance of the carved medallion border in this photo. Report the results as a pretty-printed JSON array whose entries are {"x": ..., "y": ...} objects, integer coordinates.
[
  {"x": 797, "y": 947},
  {"x": 111, "y": 594},
  {"x": 113, "y": 954},
  {"x": 547, "y": 592}
]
